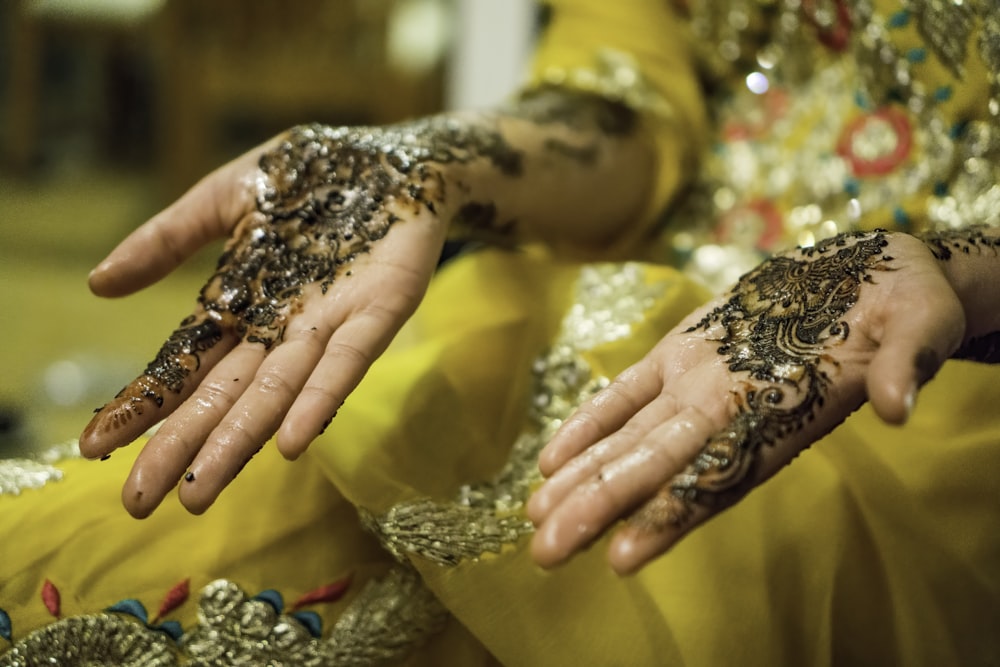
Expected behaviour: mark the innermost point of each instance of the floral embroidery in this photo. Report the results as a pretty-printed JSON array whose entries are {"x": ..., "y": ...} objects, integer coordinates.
[
  {"x": 384, "y": 622},
  {"x": 876, "y": 143}
]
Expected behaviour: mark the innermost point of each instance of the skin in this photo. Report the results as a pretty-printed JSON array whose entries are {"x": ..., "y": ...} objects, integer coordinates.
[
  {"x": 333, "y": 236},
  {"x": 745, "y": 384},
  {"x": 711, "y": 412}
]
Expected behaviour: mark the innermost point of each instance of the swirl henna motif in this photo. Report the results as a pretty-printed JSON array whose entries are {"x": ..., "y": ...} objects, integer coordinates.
[
  {"x": 324, "y": 196},
  {"x": 776, "y": 327}
]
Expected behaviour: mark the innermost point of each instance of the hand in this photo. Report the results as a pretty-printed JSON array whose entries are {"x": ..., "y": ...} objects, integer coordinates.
[
  {"x": 740, "y": 388},
  {"x": 334, "y": 237}
]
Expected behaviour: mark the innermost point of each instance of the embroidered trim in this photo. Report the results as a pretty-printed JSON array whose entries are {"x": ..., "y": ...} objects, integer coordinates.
[
  {"x": 616, "y": 77},
  {"x": 488, "y": 517},
  {"x": 385, "y": 622}
]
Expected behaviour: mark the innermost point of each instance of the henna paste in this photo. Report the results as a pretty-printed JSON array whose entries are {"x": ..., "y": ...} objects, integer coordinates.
[
  {"x": 943, "y": 244},
  {"x": 321, "y": 201},
  {"x": 326, "y": 195},
  {"x": 776, "y": 327}
]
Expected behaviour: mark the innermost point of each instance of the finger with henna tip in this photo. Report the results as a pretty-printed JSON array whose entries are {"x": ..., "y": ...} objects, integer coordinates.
[
  {"x": 589, "y": 462},
  {"x": 602, "y": 415},
  {"x": 633, "y": 547},
  {"x": 621, "y": 485},
  {"x": 149, "y": 399},
  {"x": 168, "y": 453}
]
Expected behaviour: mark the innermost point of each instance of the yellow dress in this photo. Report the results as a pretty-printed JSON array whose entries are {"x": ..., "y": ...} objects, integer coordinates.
[{"x": 402, "y": 535}]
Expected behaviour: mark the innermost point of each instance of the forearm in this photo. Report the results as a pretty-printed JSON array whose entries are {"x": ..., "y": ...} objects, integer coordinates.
[
  {"x": 583, "y": 178},
  {"x": 569, "y": 170}
]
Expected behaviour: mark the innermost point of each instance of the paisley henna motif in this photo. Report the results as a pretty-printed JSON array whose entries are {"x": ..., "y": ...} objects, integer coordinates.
[{"x": 776, "y": 327}]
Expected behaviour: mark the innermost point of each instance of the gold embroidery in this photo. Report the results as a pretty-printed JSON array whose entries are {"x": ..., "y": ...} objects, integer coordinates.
[
  {"x": 615, "y": 77},
  {"x": 946, "y": 26},
  {"x": 100, "y": 639},
  {"x": 17, "y": 475},
  {"x": 385, "y": 622},
  {"x": 485, "y": 518}
]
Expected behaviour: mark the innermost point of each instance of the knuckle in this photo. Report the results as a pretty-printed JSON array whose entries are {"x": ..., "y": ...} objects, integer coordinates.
[
  {"x": 274, "y": 384},
  {"x": 351, "y": 352}
]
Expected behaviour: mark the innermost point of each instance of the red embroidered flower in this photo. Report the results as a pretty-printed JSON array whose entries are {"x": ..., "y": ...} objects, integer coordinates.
[
  {"x": 833, "y": 31},
  {"x": 758, "y": 222},
  {"x": 877, "y": 142}
]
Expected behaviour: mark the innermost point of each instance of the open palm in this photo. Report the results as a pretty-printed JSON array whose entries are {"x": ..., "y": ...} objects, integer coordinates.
[
  {"x": 740, "y": 388},
  {"x": 333, "y": 241}
]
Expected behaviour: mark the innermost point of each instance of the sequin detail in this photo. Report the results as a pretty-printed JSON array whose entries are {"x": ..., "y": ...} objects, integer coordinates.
[
  {"x": 609, "y": 300},
  {"x": 815, "y": 137},
  {"x": 615, "y": 77},
  {"x": 16, "y": 475},
  {"x": 384, "y": 623}
]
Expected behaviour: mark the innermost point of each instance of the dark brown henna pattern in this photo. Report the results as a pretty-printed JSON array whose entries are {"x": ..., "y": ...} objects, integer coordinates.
[
  {"x": 944, "y": 245},
  {"x": 320, "y": 203},
  {"x": 776, "y": 327},
  {"x": 323, "y": 197}
]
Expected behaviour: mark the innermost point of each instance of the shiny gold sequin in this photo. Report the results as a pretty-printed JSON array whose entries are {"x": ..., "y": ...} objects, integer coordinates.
[
  {"x": 100, "y": 639},
  {"x": 615, "y": 77}
]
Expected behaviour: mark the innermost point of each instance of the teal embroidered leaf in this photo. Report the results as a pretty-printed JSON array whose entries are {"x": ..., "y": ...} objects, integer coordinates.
[
  {"x": 172, "y": 629},
  {"x": 6, "y": 629},
  {"x": 311, "y": 620},
  {"x": 273, "y": 598},
  {"x": 132, "y": 607}
]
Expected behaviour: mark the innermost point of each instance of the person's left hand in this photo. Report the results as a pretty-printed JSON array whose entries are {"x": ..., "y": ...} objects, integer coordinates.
[{"x": 740, "y": 388}]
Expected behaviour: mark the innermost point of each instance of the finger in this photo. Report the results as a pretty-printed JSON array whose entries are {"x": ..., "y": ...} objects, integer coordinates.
[
  {"x": 182, "y": 362},
  {"x": 589, "y": 463},
  {"x": 621, "y": 485},
  {"x": 602, "y": 415},
  {"x": 349, "y": 354},
  {"x": 916, "y": 338},
  {"x": 754, "y": 446},
  {"x": 165, "y": 457},
  {"x": 208, "y": 211},
  {"x": 252, "y": 419}
]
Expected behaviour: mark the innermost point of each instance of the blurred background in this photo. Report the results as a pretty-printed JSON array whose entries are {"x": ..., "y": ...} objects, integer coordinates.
[{"x": 112, "y": 108}]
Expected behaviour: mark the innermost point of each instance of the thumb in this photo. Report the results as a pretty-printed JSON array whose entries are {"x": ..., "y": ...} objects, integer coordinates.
[{"x": 919, "y": 332}]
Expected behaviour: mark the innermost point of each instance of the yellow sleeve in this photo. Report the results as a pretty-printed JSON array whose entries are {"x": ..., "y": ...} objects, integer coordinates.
[{"x": 636, "y": 52}]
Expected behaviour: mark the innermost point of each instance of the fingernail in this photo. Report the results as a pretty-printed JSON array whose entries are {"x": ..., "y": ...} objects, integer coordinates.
[{"x": 909, "y": 401}]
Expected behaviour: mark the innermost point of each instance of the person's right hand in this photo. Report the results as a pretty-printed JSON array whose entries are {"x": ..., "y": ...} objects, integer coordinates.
[{"x": 334, "y": 237}]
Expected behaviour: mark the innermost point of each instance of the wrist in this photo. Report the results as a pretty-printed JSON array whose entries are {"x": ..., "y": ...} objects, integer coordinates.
[{"x": 970, "y": 260}]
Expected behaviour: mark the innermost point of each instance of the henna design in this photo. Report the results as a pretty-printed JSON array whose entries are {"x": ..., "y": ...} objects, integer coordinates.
[
  {"x": 776, "y": 327},
  {"x": 944, "y": 244},
  {"x": 326, "y": 195},
  {"x": 320, "y": 203}
]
